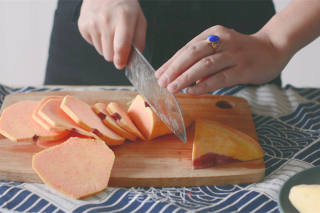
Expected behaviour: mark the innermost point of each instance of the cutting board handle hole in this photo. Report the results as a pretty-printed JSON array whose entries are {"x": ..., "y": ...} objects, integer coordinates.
[{"x": 224, "y": 105}]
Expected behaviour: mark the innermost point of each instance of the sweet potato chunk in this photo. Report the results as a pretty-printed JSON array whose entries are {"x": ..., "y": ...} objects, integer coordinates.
[
  {"x": 16, "y": 123},
  {"x": 147, "y": 121},
  {"x": 100, "y": 110},
  {"x": 81, "y": 113},
  {"x": 122, "y": 118},
  {"x": 77, "y": 168},
  {"x": 215, "y": 143},
  {"x": 51, "y": 112}
]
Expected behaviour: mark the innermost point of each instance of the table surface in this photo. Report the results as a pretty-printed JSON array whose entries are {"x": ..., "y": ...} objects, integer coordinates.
[{"x": 288, "y": 126}]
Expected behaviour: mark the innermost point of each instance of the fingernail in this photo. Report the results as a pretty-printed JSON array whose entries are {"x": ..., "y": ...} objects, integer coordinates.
[
  {"x": 172, "y": 87},
  {"x": 163, "y": 81},
  {"x": 117, "y": 62}
]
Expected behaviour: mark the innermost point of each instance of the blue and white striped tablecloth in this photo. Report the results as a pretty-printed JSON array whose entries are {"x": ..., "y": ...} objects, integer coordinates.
[{"x": 288, "y": 125}]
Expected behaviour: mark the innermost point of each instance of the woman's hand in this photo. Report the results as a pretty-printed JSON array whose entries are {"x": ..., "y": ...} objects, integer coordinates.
[
  {"x": 112, "y": 26},
  {"x": 239, "y": 59}
]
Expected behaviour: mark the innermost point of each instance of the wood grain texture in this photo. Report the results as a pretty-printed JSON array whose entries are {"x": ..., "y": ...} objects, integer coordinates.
[{"x": 164, "y": 161}]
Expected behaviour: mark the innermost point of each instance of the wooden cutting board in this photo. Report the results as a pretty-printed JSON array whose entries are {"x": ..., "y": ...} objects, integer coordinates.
[{"x": 165, "y": 161}]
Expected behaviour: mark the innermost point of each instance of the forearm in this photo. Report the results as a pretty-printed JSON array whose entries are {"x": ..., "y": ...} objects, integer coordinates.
[{"x": 295, "y": 26}]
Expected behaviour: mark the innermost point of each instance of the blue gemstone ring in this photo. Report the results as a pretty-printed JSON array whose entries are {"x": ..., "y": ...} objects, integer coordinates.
[{"x": 214, "y": 41}]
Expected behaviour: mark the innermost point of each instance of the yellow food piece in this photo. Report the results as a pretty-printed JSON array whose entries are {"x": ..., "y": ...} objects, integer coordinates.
[{"x": 305, "y": 198}]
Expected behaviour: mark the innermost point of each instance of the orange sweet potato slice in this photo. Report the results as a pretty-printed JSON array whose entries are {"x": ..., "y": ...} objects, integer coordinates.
[
  {"x": 77, "y": 168},
  {"x": 122, "y": 119},
  {"x": 16, "y": 123},
  {"x": 51, "y": 112},
  {"x": 81, "y": 113},
  {"x": 100, "y": 110},
  {"x": 38, "y": 118},
  {"x": 147, "y": 121},
  {"x": 215, "y": 143},
  {"x": 49, "y": 143}
]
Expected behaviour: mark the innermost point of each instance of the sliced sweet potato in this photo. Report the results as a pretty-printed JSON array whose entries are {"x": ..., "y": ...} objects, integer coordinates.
[
  {"x": 49, "y": 143},
  {"x": 38, "y": 118},
  {"x": 100, "y": 110},
  {"x": 81, "y": 113},
  {"x": 51, "y": 112},
  {"x": 77, "y": 167},
  {"x": 16, "y": 123},
  {"x": 147, "y": 121},
  {"x": 122, "y": 119},
  {"x": 215, "y": 143}
]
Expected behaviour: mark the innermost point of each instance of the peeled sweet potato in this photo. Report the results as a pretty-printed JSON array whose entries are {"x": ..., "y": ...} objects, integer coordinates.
[
  {"x": 100, "y": 110},
  {"x": 16, "y": 123},
  {"x": 81, "y": 113},
  {"x": 122, "y": 119},
  {"x": 77, "y": 168}
]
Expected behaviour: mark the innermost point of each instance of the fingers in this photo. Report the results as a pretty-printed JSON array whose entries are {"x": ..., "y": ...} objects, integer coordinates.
[
  {"x": 140, "y": 33},
  {"x": 86, "y": 36},
  {"x": 201, "y": 70},
  {"x": 107, "y": 45},
  {"x": 198, "y": 63},
  {"x": 96, "y": 41},
  {"x": 184, "y": 60},
  {"x": 112, "y": 27},
  {"x": 222, "y": 79},
  {"x": 123, "y": 38},
  {"x": 218, "y": 30}
]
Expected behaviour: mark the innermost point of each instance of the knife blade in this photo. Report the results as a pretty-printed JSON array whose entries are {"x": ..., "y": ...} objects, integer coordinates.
[{"x": 141, "y": 74}]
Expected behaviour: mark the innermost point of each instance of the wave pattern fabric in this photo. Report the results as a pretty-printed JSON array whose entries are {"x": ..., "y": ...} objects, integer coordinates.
[{"x": 288, "y": 125}]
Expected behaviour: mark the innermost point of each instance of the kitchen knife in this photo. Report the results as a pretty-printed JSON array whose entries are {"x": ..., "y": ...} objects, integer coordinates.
[{"x": 141, "y": 74}]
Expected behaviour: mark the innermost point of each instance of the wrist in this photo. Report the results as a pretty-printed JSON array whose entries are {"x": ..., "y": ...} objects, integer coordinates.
[{"x": 280, "y": 46}]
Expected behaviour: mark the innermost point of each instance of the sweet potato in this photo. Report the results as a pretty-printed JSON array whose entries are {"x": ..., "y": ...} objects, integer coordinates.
[
  {"x": 81, "y": 113},
  {"x": 51, "y": 112},
  {"x": 77, "y": 168},
  {"x": 16, "y": 123},
  {"x": 147, "y": 121},
  {"x": 100, "y": 110},
  {"x": 122, "y": 118},
  {"x": 35, "y": 115},
  {"x": 215, "y": 143}
]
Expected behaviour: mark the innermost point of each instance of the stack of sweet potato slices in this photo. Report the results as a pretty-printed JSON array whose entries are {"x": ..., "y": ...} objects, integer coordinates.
[{"x": 76, "y": 136}]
